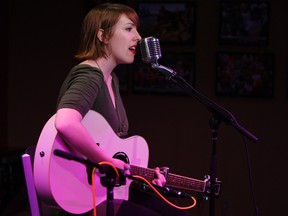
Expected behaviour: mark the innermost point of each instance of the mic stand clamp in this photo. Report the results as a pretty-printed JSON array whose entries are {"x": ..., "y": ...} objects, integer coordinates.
[
  {"x": 165, "y": 70},
  {"x": 108, "y": 181}
]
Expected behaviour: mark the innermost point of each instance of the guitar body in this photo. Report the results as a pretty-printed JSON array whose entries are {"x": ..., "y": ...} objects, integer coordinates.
[{"x": 64, "y": 183}]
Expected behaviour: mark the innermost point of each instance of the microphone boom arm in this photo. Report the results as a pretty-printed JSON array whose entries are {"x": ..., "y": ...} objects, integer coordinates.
[
  {"x": 165, "y": 70},
  {"x": 218, "y": 111}
]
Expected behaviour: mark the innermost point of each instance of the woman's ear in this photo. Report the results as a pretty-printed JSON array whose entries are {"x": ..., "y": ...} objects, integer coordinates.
[{"x": 100, "y": 36}]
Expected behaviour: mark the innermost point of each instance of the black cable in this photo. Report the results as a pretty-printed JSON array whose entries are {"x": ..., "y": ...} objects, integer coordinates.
[{"x": 250, "y": 177}]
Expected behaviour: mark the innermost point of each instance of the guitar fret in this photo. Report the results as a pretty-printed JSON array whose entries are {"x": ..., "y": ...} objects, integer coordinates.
[
  {"x": 185, "y": 183},
  {"x": 141, "y": 171}
]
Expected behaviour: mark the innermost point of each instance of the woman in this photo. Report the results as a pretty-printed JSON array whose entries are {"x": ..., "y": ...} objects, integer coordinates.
[{"x": 109, "y": 38}]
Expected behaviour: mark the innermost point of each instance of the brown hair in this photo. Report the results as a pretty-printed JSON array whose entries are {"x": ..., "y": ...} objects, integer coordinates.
[{"x": 103, "y": 16}]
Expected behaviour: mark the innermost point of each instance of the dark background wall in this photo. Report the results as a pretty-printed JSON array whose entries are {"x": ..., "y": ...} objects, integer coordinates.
[{"x": 39, "y": 41}]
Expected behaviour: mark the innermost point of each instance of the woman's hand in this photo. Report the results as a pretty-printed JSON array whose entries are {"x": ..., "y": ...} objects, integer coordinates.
[
  {"x": 160, "y": 180},
  {"x": 121, "y": 165}
]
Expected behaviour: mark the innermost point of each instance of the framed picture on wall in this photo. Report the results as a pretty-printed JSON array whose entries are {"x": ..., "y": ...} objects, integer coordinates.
[
  {"x": 244, "y": 74},
  {"x": 170, "y": 21},
  {"x": 244, "y": 23},
  {"x": 147, "y": 80}
]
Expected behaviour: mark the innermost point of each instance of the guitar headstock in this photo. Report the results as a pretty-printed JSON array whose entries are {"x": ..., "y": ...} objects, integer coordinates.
[{"x": 217, "y": 186}]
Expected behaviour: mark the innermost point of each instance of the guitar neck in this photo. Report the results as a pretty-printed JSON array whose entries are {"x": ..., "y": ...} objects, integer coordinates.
[
  {"x": 172, "y": 180},
  {"x": 186, "y": 183}
]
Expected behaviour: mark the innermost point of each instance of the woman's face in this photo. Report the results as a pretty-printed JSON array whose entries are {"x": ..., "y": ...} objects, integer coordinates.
[{"x": 123, "y": 43}]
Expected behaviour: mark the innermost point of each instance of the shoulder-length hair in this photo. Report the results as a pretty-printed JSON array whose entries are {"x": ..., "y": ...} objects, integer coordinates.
[{"x": 103, "y": 16}]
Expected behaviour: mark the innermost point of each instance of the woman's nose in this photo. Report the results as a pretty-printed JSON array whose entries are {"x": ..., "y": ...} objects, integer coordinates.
[{"x": 138, "y": 36}]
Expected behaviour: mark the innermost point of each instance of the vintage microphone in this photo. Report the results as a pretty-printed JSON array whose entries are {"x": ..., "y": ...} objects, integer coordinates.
[{"x": 151, "y": 52}]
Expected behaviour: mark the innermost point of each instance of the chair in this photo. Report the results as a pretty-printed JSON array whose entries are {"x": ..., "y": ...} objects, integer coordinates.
[
  {"x": 27, "y": 161},
  {"x": 37, "y": 207}
]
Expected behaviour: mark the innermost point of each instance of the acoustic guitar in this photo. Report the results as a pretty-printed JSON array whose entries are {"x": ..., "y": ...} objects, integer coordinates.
[{"x": 64, "y": 183}]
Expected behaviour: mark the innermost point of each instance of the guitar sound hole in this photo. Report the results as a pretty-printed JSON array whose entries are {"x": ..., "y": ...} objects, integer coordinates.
[{"x": 122, "y": 156}]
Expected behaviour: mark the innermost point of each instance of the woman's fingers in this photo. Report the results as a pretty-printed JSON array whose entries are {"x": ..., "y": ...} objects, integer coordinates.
[{"x": 160, "y": 180}]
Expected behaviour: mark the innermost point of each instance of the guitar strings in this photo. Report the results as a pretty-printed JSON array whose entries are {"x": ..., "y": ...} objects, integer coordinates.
[{"x": 180, "y": 181}]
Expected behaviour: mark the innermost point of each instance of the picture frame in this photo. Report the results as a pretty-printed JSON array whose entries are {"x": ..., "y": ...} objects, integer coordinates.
[
  {"x": 244, "y": 23},
  {"x": 171, "y": 22},
  {"x": 148, "y": 80},
  {"x": 244, "y": 74}
]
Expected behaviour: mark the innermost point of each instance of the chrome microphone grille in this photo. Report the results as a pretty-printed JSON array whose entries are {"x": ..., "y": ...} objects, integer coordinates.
[{"x": 150, "y": 50}]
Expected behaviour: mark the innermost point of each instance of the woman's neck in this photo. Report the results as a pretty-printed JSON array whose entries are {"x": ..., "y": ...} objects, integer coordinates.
[{"x": 106, "y": 67}]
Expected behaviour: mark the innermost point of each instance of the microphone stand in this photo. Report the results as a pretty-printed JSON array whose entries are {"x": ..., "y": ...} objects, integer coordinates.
[
  {"x": 108, "y": 181},
  {"x": 219, "y": 114}
]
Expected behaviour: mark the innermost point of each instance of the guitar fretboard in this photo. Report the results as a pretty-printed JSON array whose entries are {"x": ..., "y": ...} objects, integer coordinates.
[{"x": 172, "y": 180}]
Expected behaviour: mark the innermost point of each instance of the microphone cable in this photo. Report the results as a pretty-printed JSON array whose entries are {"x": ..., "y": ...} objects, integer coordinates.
[{"x": 163, "y": 198}]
